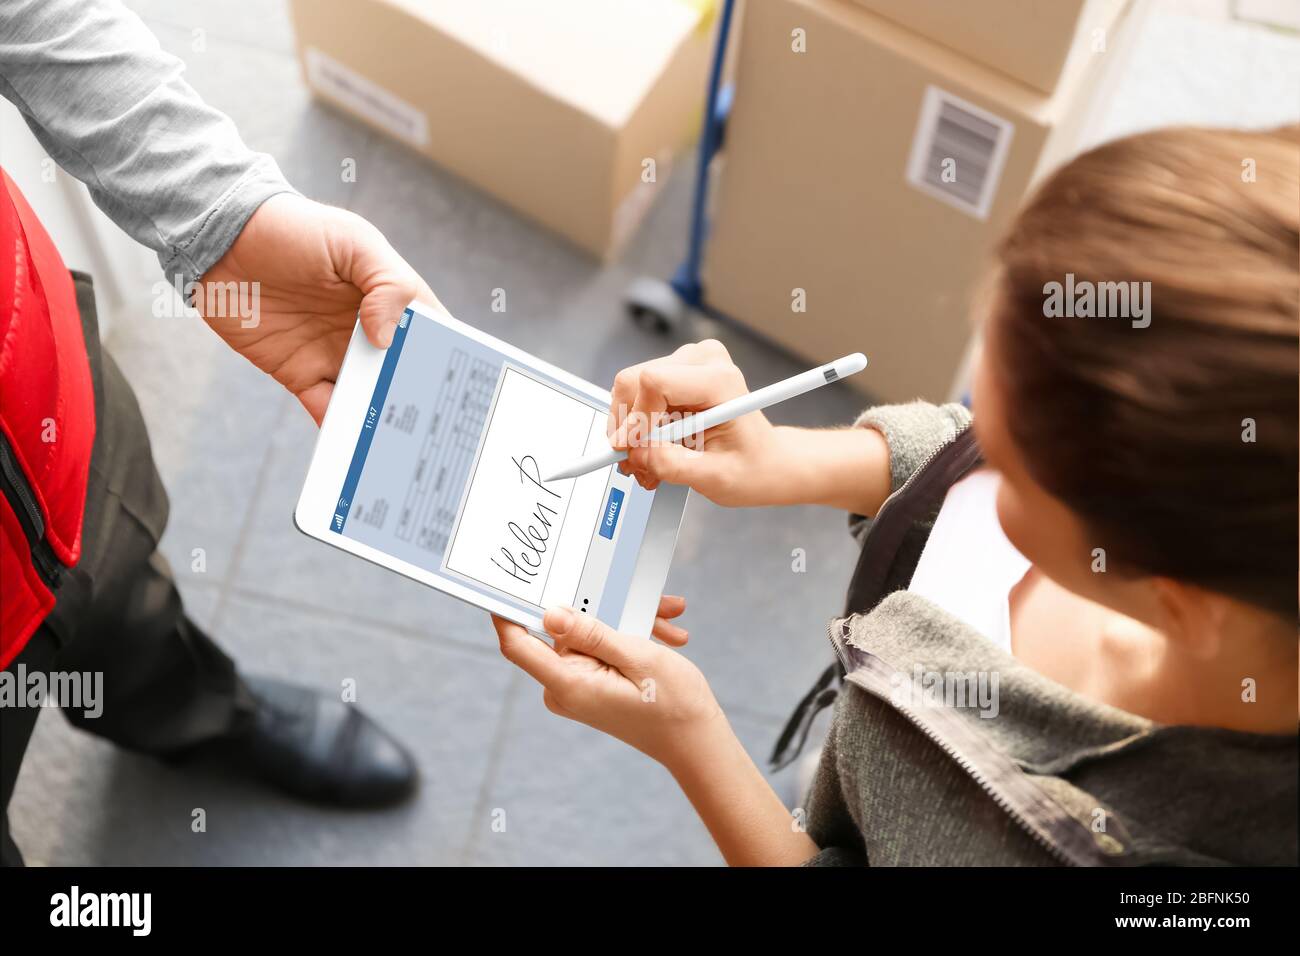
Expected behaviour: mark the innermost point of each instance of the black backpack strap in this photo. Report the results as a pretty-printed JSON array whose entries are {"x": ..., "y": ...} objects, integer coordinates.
[
  {"x": 870, "y": 584},
  {"x": 821, "y": 696},
  {"x": 916, "y": 499}
]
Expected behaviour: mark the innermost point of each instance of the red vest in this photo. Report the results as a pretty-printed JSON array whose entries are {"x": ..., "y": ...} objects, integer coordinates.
[{"x": 47, "y": 411}]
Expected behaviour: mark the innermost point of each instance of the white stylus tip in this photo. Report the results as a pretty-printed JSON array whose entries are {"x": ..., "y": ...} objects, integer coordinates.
[{"x": 852, "y": 364}]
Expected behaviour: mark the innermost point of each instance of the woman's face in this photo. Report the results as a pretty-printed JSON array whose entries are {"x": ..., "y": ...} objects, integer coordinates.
[{"x": 1041, "y": 527}]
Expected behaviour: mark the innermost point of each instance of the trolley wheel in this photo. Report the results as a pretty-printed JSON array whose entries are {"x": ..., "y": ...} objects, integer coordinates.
[{"x": 655, "y": 305}]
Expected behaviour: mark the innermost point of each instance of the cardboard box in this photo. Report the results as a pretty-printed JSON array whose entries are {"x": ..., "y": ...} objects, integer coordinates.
[
  {"x": 1036, "y": 41},
  {"x": 552, "y": 107},
  {"x": 836, "y": 229}
]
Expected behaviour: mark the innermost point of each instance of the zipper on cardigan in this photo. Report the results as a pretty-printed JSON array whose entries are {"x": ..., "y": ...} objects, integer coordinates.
[
  {"x": 933, "y": 736},
  {"x": 21, "y": 498}
]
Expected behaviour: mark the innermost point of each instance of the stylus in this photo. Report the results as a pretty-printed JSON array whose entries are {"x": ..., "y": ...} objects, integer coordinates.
[{"x": 720, "y": 414}]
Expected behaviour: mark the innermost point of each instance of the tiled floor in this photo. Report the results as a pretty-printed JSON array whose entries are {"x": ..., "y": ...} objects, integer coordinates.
[{"x": 233, "y": 449}]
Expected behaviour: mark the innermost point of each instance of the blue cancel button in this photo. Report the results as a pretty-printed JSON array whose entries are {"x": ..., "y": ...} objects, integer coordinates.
[{"x": 609, "y": 519}]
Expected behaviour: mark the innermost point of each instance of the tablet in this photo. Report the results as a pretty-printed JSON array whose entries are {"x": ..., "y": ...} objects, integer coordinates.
[{"x": 430, "y": 462}]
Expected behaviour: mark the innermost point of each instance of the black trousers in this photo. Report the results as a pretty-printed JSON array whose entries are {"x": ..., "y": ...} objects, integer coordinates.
[{"x": 165, "y": 685}]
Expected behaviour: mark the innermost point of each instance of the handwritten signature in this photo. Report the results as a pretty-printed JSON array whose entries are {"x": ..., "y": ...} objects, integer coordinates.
[{"x": 526, "y": 561}]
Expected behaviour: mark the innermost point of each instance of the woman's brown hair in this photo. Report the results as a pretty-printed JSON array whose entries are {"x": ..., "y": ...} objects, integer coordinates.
[{"x": 1175, "y": 441}]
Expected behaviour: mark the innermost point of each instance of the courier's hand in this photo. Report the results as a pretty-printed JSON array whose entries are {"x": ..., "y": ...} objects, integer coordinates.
[
  {"x": 737, "y": 463},
  {"x": 643, "y": 693},
  {"x": 315, "y": 266}
]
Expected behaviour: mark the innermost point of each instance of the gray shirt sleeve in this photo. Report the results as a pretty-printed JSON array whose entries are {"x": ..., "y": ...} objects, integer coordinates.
[
  {"x": 110, "y": 107},
  {"x": 913, "y": 431}
]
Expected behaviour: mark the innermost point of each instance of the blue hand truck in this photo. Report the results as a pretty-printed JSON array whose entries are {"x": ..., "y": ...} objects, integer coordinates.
[{"x": 662, "y": 305}]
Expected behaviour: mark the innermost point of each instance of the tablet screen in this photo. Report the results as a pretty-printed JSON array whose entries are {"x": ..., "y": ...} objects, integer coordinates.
[{"x": 447, "y": 475}]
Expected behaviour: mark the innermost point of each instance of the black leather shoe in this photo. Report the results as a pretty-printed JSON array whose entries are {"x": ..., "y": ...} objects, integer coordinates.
[{"x": 321, "y": 749}]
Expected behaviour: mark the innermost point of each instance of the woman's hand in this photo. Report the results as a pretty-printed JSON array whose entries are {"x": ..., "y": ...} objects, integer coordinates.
[
  {"x": 743, "y": 463},
  {"x": 643, "y": 693},
  {"x": 737, "y": 463},
  {"x": 651, "y": 697}
]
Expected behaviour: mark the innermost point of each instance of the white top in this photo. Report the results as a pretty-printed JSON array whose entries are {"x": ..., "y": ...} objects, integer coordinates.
[{"x": 968, "y": 567}]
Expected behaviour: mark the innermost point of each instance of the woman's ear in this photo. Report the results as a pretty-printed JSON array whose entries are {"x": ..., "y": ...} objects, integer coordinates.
[{"x": 1192, "y": 617}]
